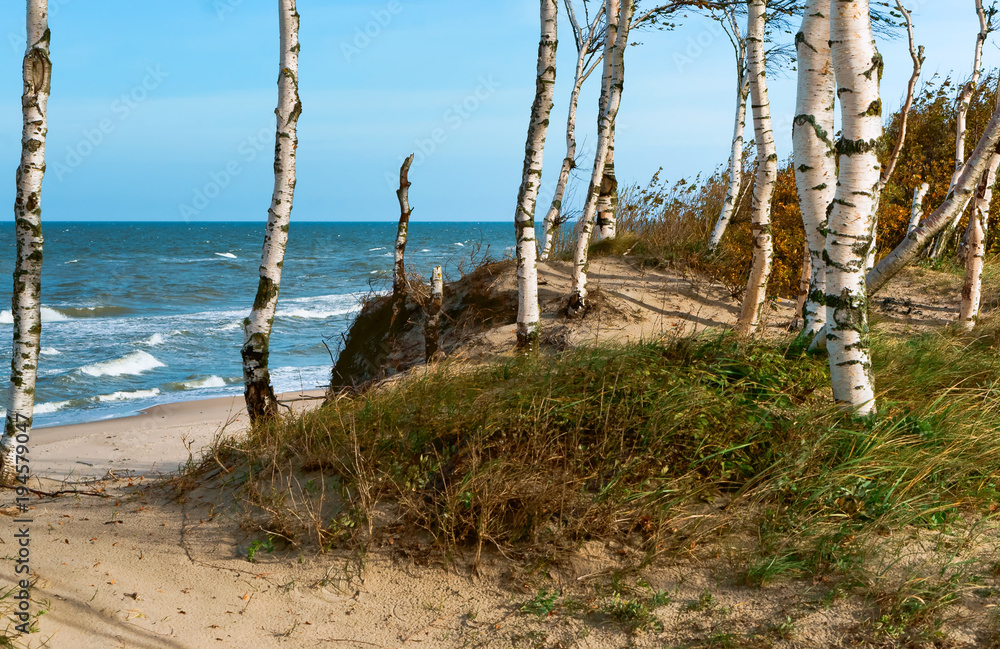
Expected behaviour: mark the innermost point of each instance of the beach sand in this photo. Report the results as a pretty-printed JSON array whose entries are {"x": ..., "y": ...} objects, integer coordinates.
[{"x": 155, "y": 442}]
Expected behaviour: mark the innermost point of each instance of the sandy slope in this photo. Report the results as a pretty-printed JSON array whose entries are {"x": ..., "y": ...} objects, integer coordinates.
[{"x": 132, "y": 567}]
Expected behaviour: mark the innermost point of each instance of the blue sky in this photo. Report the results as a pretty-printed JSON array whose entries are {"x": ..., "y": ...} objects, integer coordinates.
[{"x": 156, "y": 103}]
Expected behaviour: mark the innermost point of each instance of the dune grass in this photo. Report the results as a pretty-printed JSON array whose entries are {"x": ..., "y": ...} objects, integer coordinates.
[{"x": 655, "y": 444}]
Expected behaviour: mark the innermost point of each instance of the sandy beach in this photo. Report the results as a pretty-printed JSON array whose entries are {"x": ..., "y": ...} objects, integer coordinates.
[{"x": 155, "y": 442}]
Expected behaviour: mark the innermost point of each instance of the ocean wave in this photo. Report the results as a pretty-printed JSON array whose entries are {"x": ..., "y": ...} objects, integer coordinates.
[
  {"x": 103, "y": 311},
  {"x": 460, "y": 244},
  {"x": 73, "y": 261},
  {"x": 48, "y": 315},
  {"x": 425, "y": 250},
  {"x": 210, "y": 382},
  {"x": 128, "y": 396},
  {"x": 50, "y": 351},
  {"x": 227, "y": 255},
  {"x": 231, "y": 326},
  {"x": 131, "y": 364},
  {"x": 50, "y": 407},
  {"x": 374, "y": 249},
  {"x": 313, "y": 314},
  {"x": 154, "y": 340}
]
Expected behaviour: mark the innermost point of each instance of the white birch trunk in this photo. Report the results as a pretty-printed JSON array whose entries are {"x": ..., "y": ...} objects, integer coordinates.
[
  {"x": 767, "y": 171},
  {"x": 528, "y": 316},
  {"x": 976, "y": 249},
  {"x": 917, "y": 55},
  {"x": 402, "y": 231},
  {"x": 735, "y": 163},
  {"x": 917, "y": 209},
  {"x": 432, "y": 326},
  {"x": 964, "y": 102},
  {"x": 260, "y": 399},
  {"x": 813, "y": 150},
  {"x": 607, "y": 199},
  {"x": 26, "y": 299},
  {"x": 858, "y": 68},
  {"x": 553, "y": 219},
  {"x": 614, "y": 60}
]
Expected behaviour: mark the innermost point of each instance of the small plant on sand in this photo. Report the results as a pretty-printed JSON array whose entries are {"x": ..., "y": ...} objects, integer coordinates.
[
  {"x": 633, "y": 614},
  {"x": 543, "y": 604},
  {"x": 267, "y": 545}
]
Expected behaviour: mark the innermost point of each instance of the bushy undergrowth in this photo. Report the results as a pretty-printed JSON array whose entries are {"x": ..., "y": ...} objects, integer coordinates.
[{"x": 654, "y": 444}]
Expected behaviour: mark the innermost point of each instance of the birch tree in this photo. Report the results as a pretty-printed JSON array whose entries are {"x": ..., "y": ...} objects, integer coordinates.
[
  {"x": 588, "y": 57},
  {"x": 956, "y": 201},
  {"x": 813, "y": 151},
  {"x": 619, "y": 20},
  {"x": 26, "y": 301},
  {"x": 975, "y": 251},
  {"x": 528, "y": 316},
  {"x": 858, "y": 68},
  {"x": 736, "y": 155},
  {"x": 964, "y": 102},
  {"x": 917, "y": 56},
  {"x": 917, "y": 209},
  {"x": 432, "y": 321},
  {"x": 260, "y": 399},
  {"x": 607, "y": 198},
  {"x": 767, "y": 171}
]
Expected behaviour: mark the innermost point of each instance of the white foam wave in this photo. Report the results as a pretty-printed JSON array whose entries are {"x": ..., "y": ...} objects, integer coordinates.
[
  {"x": 313, "y": 314},
  {"x": 132, "y": 364},
  {"x": 425, "y": 250},
  {"x": 48, "y": 408},
  {"x": 154, "y": 340},
  {"x": 128, "y": 396},
  {"x": 50, "y": 351},
  {"x": 73, "y": 261},
  {"x": 48, "y": 315},
  {"x": 460, "y": 244},
  {"x": 227, "y": 255},
  {"x": 374, "y": 249},
  {"x": 230, "y": 326},
  {"x": 210, "y": 382}
]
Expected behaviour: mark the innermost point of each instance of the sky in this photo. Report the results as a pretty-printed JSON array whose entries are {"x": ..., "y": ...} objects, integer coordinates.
[{"x": 163, "y": 110}]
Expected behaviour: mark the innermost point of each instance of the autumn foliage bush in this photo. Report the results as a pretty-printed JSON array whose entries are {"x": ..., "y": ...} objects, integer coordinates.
[{"x": 673, "y": 221}]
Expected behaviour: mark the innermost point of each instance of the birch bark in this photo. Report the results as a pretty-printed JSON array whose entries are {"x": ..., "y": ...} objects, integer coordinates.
[
  {"x": 736, "y": 155},
  {"x": 917, "y": 209},
  {"x": 607, "y": 199},
  {"x": 976, "y": 250},
  {"x": 584, "y": 67},
  {"x": 858, "y": 69},
  {"x": 26, "y": 297},
  {"x": 964, "y": 101},
  {"x": 813, "y": 151},
  {"x": 767, "y": 171},
  {"x": 618, "y": 24},
  {"x": 432, "y": 323},
  {"x": 261, "y": 402},
  {"x": 528, "y": 316},
  {"x": 957, "y": 200}
]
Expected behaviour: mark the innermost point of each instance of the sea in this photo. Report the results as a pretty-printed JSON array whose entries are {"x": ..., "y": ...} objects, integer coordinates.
[{"x": 140, "y": 314}]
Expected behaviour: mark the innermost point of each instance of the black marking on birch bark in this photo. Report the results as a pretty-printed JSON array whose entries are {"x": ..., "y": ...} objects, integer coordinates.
[{"x": 855, "y": 147}]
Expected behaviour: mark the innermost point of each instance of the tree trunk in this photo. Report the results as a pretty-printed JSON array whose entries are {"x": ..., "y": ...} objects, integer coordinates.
[
  {"x": 917, "y": 56},
  {"x": 813, "y": 150},
  {"x": 767, "y": 171},
  {"x": 956, "y": 202},
  {"x": 26, "y": 298},
  {"x": 917, "y": 210},
  {"x": 964, "y": 101},
  {"x": 614, "y": 70},
  {"x": 261, "y": 403},
  {"x": 735, "y": 163},
  {"x": 399, "y": 268},
  {"x": 858, "y": 68},
  {"x": 803, "y": 294},
  {"x": 607, "y": 199},
  {"x": 976, "y": 250},
  {"x": 554, "y": 218},
  {"x": 528, "y": 316},
  {"x": 433, "y": 317}
]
